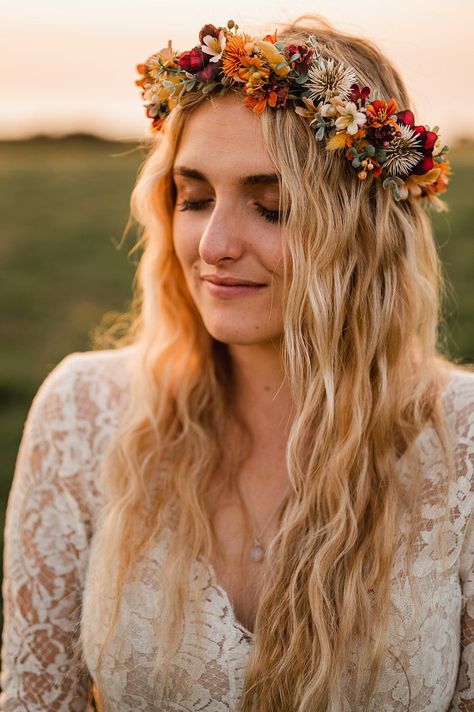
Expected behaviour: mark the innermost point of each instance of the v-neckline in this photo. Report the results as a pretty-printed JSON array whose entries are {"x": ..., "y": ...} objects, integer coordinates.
[
  {"x": 208, "y": 566},
  {"x": 224, "y": 595}
]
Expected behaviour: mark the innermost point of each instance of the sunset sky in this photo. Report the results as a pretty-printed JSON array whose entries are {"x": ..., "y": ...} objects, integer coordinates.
[{"x": 68, "y": 66}]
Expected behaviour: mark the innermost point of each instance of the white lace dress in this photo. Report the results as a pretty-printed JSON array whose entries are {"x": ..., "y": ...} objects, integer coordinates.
[{"x": 50, "y": 531}]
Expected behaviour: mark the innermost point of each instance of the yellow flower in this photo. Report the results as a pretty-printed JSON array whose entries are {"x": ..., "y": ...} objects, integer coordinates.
[
  {"x": 337, "y": 142},
  {"x": 273, "y": 57},
  {"x": 253, "y": 72}
]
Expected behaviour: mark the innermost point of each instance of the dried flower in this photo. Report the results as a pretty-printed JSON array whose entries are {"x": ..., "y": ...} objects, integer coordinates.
[
  {"x": 328, "y": 78},
  {"x": 404, "y": 153}
]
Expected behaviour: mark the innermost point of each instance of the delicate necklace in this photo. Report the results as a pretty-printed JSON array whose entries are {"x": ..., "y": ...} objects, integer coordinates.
[{"x": 257, "y": 550}]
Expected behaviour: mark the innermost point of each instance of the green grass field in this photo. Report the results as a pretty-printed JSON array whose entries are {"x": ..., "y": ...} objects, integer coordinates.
[{"x": 63, "y": 210}]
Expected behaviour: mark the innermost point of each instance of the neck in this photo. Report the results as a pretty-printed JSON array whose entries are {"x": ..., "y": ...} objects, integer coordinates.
[{"x": 263, "y": 395}]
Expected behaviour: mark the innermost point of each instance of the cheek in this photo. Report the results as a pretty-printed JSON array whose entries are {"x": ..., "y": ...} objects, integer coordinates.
[{"x": 184, "y": 243}]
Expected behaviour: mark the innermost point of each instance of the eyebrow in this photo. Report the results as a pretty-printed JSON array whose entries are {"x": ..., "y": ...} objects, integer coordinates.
[{"x": 258, "y": 179}]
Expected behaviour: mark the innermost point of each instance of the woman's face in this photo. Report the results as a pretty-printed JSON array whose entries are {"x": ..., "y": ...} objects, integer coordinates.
[{"x": 226, "y": 229}]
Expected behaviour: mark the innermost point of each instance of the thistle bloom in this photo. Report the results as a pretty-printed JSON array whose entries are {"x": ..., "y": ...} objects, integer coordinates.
[
  {"x": 328, "y": 78},
  {"x": 377, "y": 139},
  {"x": 404, "y": 153}
]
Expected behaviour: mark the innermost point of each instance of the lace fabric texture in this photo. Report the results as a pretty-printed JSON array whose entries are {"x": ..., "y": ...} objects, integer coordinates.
[{"x": 51, "y": 528}]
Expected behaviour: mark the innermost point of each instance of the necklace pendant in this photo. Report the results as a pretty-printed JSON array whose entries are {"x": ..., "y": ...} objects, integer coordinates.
[{"x": 257, "y": 552}]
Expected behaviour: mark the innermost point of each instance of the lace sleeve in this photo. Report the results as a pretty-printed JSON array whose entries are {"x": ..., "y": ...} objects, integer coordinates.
[
  {"x": 46, "y": 542},
  {"x": 463, "y": 700}
]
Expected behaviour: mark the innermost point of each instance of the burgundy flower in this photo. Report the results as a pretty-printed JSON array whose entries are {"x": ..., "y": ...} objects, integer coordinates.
[
  {"x": 193, "y": 60},
  {"x": 359, "y": 93},
  {"x": 210, "y": 72},
  {"x": 208, "y": 30},
  {"x": 302, "y": 64},
  {"x": 384, "y": 135}
]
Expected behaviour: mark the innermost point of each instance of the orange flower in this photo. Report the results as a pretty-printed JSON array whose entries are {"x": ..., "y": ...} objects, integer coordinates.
[
  {"x": 435, "y": 181},
  {"x": 379, "y": 113},
  {"x": 253, "y": 72},
  {"x": 377, "y": 168},
  {"x": 233, "y": 53},
  {"x": 258, "y": 103}
]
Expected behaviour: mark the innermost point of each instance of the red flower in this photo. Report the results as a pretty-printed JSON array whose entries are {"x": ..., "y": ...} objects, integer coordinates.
[
  {"x": 193, "y": 60},
  {"x": 302, "y": 64},
  {"x": 406, "y": 117},
  {"x": 359, "y": 94},
  {"x": 428, "y": 140}
]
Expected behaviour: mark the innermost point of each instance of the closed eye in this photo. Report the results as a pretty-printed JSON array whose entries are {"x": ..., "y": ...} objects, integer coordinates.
[
  {"x": 192, "y": 205},
  {"x": 271, "y": 216}
]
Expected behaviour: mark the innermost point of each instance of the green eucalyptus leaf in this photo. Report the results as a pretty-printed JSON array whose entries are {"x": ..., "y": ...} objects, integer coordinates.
[{"x": 301, "y": 79}]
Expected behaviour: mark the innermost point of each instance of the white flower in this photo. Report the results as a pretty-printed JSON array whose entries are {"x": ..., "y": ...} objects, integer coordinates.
[
  {"x": 350, "y": 119},
  {"x": 328, "y": 78},
  {"x": 330, "y": 110},
  {"x": 214, "y": 46}
]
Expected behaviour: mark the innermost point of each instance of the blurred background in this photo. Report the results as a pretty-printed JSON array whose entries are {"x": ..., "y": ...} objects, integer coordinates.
[{"x": 71, "y": 134}]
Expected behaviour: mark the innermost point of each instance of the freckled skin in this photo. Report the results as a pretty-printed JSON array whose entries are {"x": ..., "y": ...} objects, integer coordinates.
[{"x": 227, "y": 234}]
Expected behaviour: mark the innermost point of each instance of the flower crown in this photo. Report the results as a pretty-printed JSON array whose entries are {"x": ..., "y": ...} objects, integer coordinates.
[{"x": 376, "y": 138}]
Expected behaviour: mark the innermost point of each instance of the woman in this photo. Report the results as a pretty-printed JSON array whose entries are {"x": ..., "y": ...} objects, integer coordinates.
[{"x": 263, "y": 501}]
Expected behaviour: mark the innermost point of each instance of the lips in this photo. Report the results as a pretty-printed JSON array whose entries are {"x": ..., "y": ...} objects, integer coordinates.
[
  {"x": 231, "y": 281},
  {"x": 231, "y": 287}
]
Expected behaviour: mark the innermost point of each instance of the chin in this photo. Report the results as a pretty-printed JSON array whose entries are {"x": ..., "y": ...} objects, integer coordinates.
[{"x": 247, "y": 335}]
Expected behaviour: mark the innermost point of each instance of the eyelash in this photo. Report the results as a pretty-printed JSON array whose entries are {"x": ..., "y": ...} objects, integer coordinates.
[{"x": 271, "y": 216}]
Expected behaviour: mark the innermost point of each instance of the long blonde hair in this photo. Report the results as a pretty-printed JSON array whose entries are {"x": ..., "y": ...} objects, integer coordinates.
[{"x": 361, "y": 316}]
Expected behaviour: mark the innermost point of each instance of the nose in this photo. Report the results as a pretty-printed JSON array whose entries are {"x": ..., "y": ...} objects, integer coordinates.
[{"x": 222, "y": 236}]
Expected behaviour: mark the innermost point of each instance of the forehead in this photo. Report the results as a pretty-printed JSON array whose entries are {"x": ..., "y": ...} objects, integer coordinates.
[{"x": 222, "y": 133}]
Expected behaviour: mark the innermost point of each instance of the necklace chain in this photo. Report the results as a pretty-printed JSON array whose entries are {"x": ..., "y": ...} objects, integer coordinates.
[{"x": 257, "y": 550}]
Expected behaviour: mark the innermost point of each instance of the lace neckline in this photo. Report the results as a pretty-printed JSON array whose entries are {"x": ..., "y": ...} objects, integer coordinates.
[{"x": 213, "y": 574}]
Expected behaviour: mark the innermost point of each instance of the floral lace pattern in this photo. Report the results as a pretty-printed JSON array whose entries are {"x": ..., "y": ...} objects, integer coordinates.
[{"x": 49, "y": 562}]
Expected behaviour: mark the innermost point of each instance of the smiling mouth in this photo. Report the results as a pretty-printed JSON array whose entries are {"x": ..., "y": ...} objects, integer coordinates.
[
  {"x": 231, "y": 281},
  {"x": 232, "y": 288}
]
